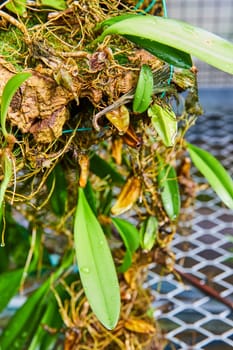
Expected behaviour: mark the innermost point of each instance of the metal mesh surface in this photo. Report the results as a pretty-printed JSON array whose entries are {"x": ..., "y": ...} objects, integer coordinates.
[
  {"x": 215, "y": 16},
  {"x": 191, "y": 318}
]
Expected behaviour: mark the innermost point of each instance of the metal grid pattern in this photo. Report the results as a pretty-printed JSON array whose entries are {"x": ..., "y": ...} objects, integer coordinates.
[
  {"x": 191, "y": 318},
  {"x": 215, "y": 16}
]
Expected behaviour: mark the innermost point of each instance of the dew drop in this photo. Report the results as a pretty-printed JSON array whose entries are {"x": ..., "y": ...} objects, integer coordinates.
[
  {"x": 101, "y": 242},
  {"x": 2, "y": 244},
  {"x": 16, "y": 345},
  {"x": 85, "y": 269}
]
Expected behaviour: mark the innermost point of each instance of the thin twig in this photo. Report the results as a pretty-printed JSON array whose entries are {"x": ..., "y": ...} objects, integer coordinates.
[{"x": 204, "y": 288}]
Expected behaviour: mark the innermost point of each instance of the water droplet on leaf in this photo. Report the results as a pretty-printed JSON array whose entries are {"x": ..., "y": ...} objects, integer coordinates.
[{"x": 85, "y": 269}]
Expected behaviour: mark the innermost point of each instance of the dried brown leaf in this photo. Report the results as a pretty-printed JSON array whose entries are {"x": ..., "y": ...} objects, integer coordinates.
[{"x": 139, "y": 326}]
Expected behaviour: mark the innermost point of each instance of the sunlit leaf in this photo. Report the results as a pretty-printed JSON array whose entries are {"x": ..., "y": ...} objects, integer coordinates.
[
  {"x": 165, "y": 123},
  {"x": 96, "y": 266},
  {"x": 180, "y": 35},
  {"x": 214, "y": 172},
  {"x": 169, "y": 190},
  {"x": 8, "y": 92},
  {"x": 56, "y": 4},
  {"x": 130, "y": 237},
  {"x": 17, "y": 6},
  {"x": 8, "y": 290}
]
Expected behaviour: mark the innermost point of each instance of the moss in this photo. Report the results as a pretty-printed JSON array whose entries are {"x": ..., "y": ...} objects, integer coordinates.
[{"x": 12, "y": 47}]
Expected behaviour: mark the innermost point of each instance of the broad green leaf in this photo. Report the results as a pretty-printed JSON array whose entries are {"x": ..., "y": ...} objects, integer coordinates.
[
  {"x": 56, "y": 4},
  {"x": 9, "y": 284},
  {"x": 96, "y": 266},
  {"x": 17, "y": 6},
  {"x": 165, "y": 123},
  {"x": 8, "y": 92},
  {"x": 59, "y": 196},
  {"x": 169, "y": 188},
  {"x": 180, "y": 35},
  {"x": 103, "y": 169},
  {"x": 24, "y": 320},
  {"x": 214, "y": 172},
  {"x": 164, "y": 52},
  {"x": 130, "y": 237}
]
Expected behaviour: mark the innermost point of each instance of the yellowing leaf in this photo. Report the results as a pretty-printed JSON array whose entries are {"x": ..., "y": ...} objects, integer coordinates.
[
  {"x": 139, "y": 326},
  {"x": 119, "y": 118},
  {"x": 165, "y": 123},
  {"x": 96, "y": 266},
  {"x": 128, "y": 196}
]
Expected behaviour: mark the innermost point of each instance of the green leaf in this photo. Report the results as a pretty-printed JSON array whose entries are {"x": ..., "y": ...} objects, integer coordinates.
[
  {"x": 17, "y": 6},
  {"x": 96, "y": 266},
  {"x": 24, "y": 320},
  {"x": 214, "y": 172},
  {"x": 9, "y": 284},
  {"x": 56, "y": 4},
  {"x": 180, "y": 35},
  {"x": 148, "y": 233},
  {"x": 103, "y": 169},
  {"x": 59, "y": 196},
  {"x": 164, "y": 52},
  {"x": 144, "y": 90},
  {"x": 165, "y": 123},
  {"x": 169, "y": 188},
  {"x": 51, "y": 318},
  {"x": 8, "y": 170},
  {"x": 8, "y": 92},
  {"x": 130, "y": 237}
]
